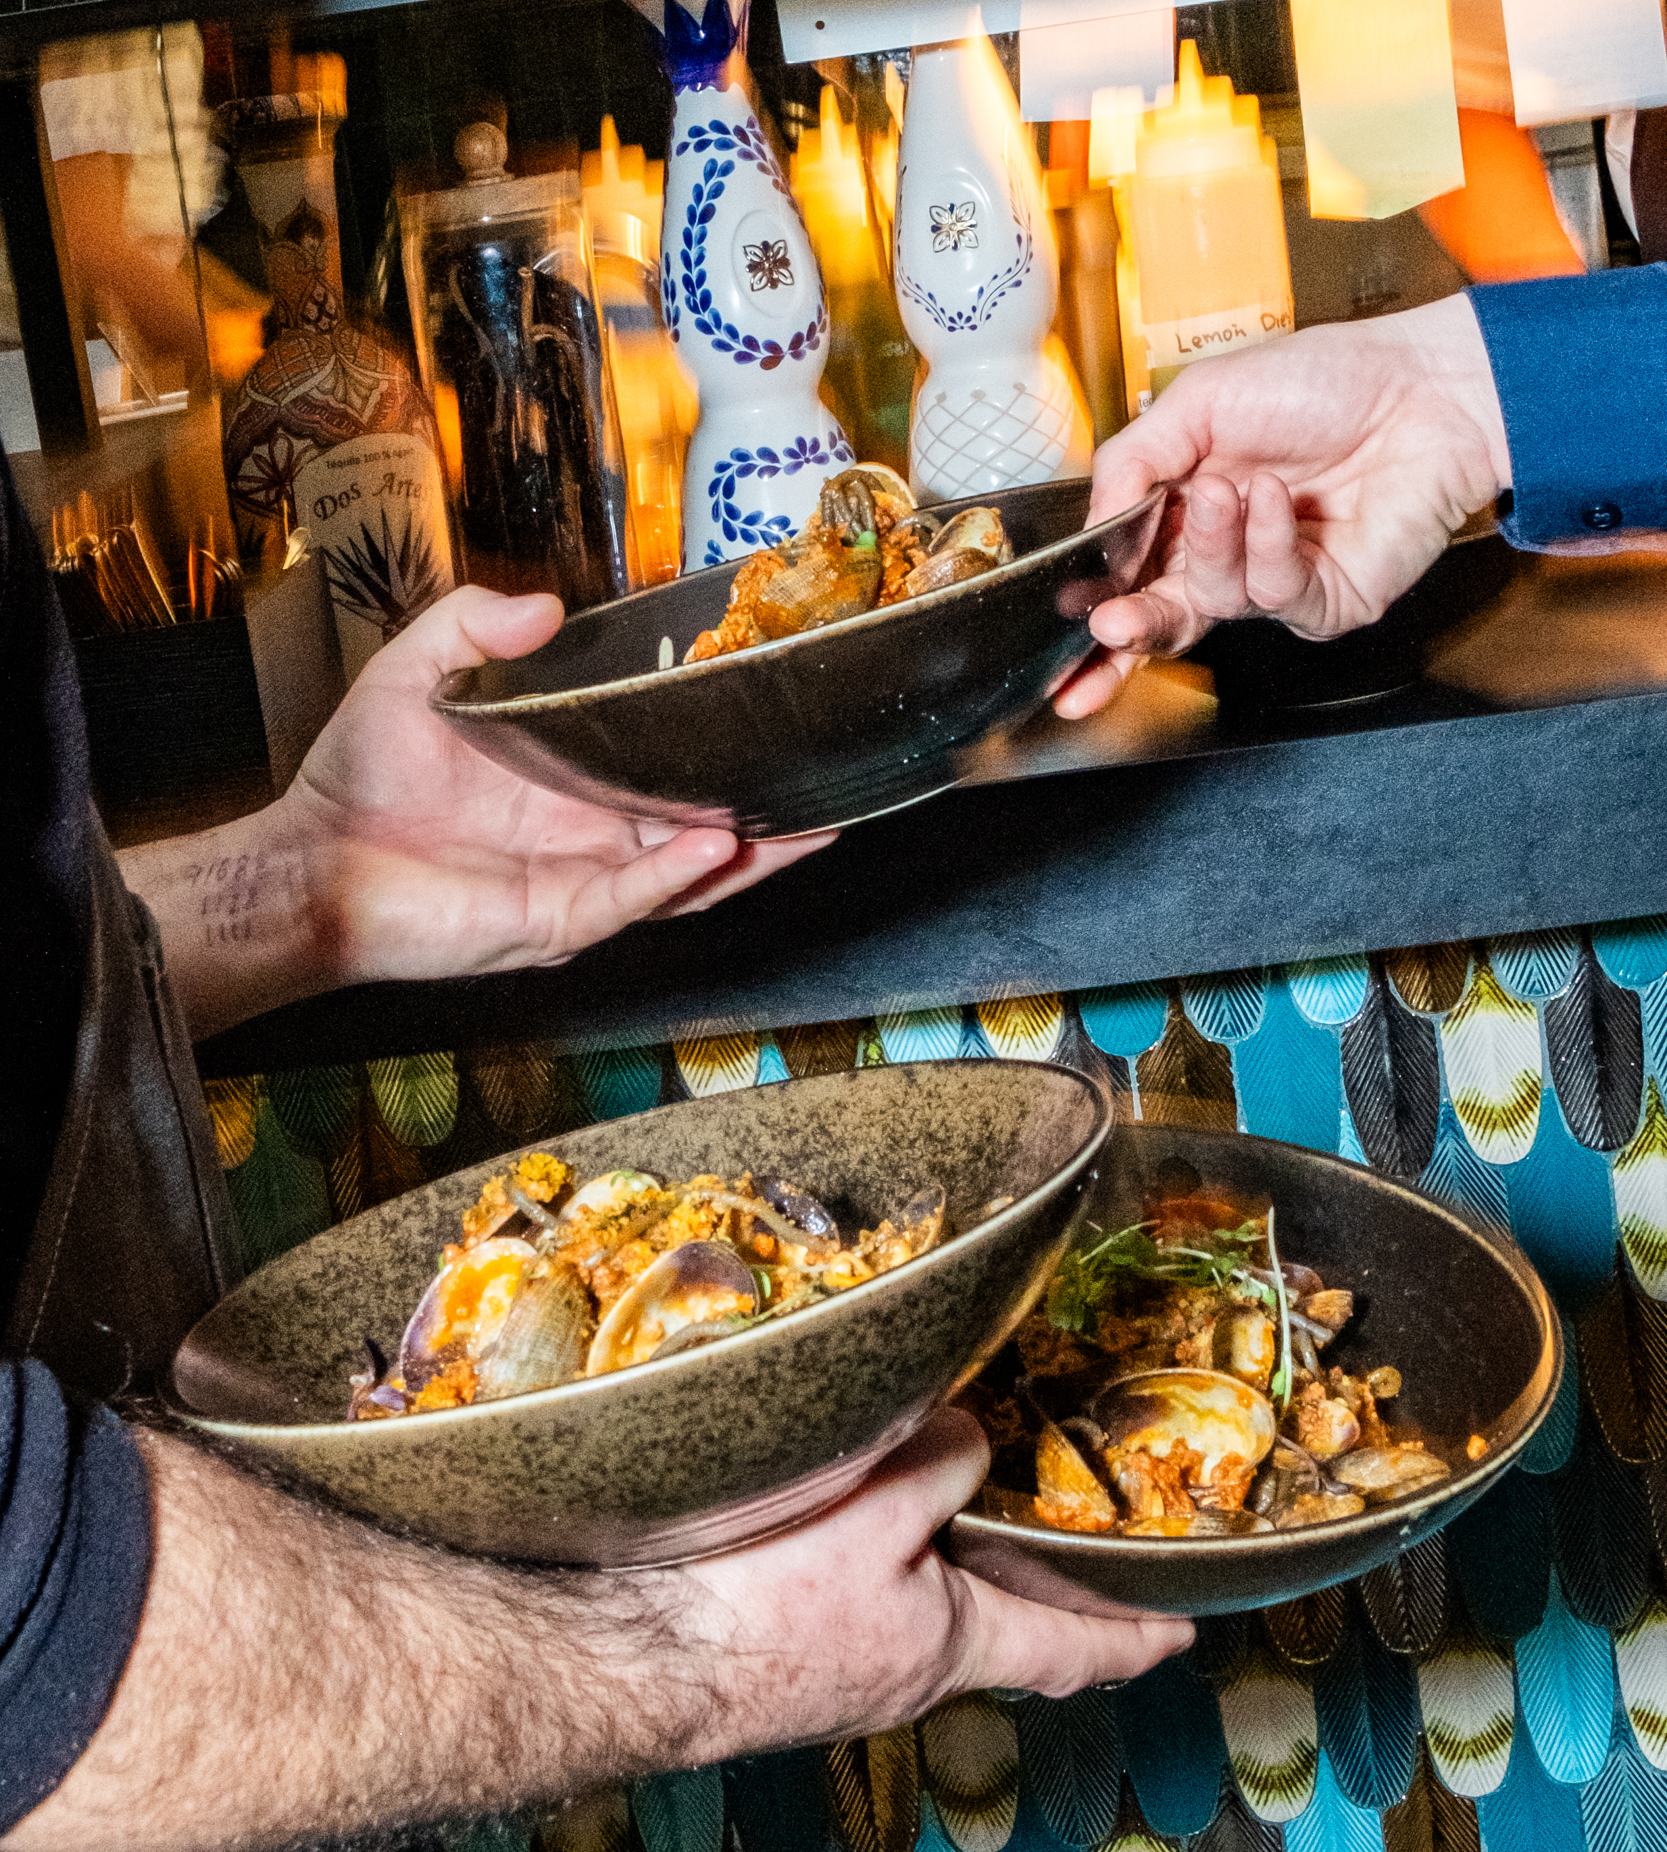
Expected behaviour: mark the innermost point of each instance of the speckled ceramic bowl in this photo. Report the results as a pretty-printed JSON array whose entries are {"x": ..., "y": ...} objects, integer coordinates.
[
  {"x": 698, "y": 1452},
  {"x": 1458, "y": 1310},
  {"x": 824, "y": 728}
]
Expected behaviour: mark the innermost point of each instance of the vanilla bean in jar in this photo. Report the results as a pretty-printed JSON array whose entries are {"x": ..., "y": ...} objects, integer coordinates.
[{"x": 510, "y": 342}]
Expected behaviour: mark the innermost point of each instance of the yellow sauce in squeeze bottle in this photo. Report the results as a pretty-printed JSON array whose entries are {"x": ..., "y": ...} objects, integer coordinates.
[{"x": 1208, "y": 225}]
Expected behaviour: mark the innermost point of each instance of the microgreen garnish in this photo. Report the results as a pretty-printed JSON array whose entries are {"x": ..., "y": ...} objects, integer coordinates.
[
  {"x": 1087, "y": 1275},
  {"x": 1090, "y": 1275}
]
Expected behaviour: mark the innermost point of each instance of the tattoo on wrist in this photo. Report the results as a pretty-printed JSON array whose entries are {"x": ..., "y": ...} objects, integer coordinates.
[{"x": 234, "y": 892}]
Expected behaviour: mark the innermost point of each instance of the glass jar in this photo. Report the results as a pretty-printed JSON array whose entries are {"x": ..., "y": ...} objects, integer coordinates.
[{"x": 509, "y": 339}]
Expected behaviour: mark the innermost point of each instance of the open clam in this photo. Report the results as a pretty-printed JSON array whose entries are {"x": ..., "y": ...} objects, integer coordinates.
[
  {"x": 1069, "y": 1496},
  {"x": 974, "y": 542},
  {"x": 1293, "y": 1490},
  {"x": 465, "y": 1307},
  {"x": 700, "y": 1283},
  {"x": 1209, "y": 1430},
  {"x": 979, "y": 530}
]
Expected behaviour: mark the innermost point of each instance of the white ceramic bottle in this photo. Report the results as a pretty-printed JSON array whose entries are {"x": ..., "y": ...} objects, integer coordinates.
[
  {"x": 977, "y": 279},
  {"x": 743, "y": 301}
]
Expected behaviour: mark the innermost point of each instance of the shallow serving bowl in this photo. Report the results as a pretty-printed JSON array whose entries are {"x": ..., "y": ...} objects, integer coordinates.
[
  {"x": 1458, "y": 1310},
  {"x": 815, "y": 730},
  {"x": 702, "y": 1451}
]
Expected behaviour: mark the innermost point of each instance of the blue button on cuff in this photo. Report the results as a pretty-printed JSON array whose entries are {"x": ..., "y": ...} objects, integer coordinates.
[{"x": 1581, "y": 368}]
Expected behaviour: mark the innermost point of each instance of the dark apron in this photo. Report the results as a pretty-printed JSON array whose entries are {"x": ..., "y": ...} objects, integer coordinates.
[{"x": 134, "y": 1241}]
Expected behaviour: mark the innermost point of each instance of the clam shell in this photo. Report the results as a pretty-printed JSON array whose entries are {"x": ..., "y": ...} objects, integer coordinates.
[
  {"x": 1317, "y": 1508},
  {"x": 1379, "y": 1473},
  {"x": 1328, "y": 1428},
  {"x": 542, "y": 1342},
  {"x": 979, "y": 529},
  {"x": 1246, "y": 1346},
  {"x": 443, "y": 1327},
  {"x": 947, "y": 568},
  {"x": 612, "y": 1190},
  {"x": 803, "y": 1211},
  {"x": 922, "y": 1218},
  {"x": 697, "y": 1283},
  {"x": 822, "y": 582},
  {"x": 1214, "y": 1414},
  {"x": 1068, "y": 1495},
  {"x": 1199, "y": 1524},
  {"x": 691, "y": 1337}
]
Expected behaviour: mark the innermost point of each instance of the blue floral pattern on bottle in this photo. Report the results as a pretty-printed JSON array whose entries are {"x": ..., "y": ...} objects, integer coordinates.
[
  {"x": 756, "y": 529},
  {"x": 742, "y": 141},
  {"x": 988, "y": 293}
]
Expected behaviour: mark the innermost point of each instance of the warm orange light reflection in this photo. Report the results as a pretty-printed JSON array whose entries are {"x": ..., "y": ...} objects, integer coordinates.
[
  {"x": 234, "y": 342},
  {"x": 1501, "y": 226},
  {"x": 450, "y": 424}
]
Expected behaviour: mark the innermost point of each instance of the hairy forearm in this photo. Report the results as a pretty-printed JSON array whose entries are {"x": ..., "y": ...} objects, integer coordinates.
[
  {"x": 239, "y": 917},
  {"x": 300, "y": 1675}
]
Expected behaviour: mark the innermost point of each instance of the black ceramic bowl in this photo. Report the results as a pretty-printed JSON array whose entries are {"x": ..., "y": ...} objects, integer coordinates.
[
  {"x": 1458, "y": 1310},
  {"x": 693, "y": 1453},
  {"x": 819, "y": 729}
]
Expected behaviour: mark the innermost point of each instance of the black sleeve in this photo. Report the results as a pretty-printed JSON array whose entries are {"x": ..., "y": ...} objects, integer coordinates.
[
  {"x": 75, "y": 1530},
  {"x": 44, "y": 872},
  {"x": 75, "y": 1555}
]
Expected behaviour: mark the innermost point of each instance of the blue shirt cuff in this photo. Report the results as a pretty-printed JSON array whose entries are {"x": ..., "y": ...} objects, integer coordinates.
[{"x": 1580, "y": 363}]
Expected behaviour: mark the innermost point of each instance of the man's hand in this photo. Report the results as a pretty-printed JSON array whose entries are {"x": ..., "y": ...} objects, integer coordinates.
[
  {"x": 299, "y": 1676},
  {"x": 400, "y": 852},
  {"x": 1324, "y": 474},
  {"x": 865, "y": 1624}
]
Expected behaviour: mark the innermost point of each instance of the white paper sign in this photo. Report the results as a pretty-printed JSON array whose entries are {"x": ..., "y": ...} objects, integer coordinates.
[
  {"x": 1569, "y": 62},
  {"x": 843, "y": 28},
  {"x": 1061, "y": 66},
  {"x": 1036, "y": 15}
]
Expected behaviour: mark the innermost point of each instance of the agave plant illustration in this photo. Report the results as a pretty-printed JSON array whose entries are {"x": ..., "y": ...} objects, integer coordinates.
[{"x": 387, "y": 584}]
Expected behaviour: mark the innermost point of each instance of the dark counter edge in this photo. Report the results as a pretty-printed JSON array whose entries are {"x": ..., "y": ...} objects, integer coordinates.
[{"x": 1303, "y": 848}]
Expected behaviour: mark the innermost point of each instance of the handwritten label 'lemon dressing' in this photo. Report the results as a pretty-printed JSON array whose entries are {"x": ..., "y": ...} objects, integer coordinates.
[{"x": 1173, "y": 345}]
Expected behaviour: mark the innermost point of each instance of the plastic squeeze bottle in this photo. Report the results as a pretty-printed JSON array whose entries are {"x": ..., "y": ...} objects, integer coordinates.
[{"x": 1208, "y": 225}]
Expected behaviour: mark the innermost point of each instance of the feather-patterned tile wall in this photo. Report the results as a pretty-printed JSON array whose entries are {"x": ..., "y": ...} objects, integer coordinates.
[{"x": 1502, "y": 1686}]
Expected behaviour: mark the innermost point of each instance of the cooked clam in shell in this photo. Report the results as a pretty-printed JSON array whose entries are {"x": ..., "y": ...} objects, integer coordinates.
[
  {"x": 866, "y": 547},
  {"x": 1175, "y": 1386},
  {"x": 556, "y": 1279}
]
